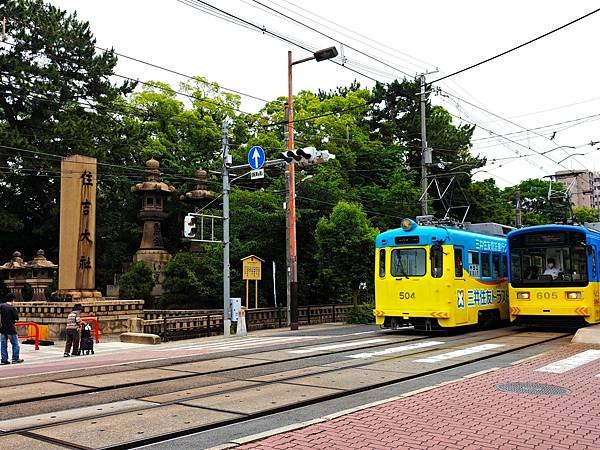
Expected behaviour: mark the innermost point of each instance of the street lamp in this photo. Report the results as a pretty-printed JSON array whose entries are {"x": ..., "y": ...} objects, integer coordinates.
[{"x": 292, "y": 256}]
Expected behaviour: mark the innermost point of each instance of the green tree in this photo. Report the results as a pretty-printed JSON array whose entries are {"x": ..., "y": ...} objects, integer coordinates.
[
  {"x": 488, "y": 203},
  {"x": 345, "y": 241},
  {"x": 586, "y": 214},
  {"x": 194, "y": 280},
  {"x": 56, "y": 99},
  {"x": 137, "y": 283},
  {"x": 542, "y": 202}
]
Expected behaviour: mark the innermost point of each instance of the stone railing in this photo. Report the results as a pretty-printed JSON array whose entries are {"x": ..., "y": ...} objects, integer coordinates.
[
  {"x": 185, "y": 324},
  {"x": 112, "y": 315}
]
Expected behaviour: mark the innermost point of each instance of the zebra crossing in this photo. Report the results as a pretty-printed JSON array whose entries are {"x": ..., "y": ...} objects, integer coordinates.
[
  {"x": 239, "y": 344},
  {"x": 572, "y": 362}
]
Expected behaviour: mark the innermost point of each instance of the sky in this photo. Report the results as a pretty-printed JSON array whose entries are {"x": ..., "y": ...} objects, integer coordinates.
[{"x": 549, "y": 85}]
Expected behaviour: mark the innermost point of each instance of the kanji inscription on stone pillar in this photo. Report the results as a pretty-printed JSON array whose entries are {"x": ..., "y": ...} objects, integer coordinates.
[{"x": 77, "y": 251}]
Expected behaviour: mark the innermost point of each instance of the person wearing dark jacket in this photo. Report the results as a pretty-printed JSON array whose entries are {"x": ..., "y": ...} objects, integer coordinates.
[{"x": 8, "y": 331}]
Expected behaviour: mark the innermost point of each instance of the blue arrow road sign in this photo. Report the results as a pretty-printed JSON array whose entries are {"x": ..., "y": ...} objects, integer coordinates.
[{"x": 256, "y": 157}]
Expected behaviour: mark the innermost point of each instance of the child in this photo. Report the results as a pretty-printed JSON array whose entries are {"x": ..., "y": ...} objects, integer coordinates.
[{"x": 87, "y": 342}]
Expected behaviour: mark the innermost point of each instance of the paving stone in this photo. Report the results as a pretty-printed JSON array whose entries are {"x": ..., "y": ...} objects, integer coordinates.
[
  {"x": 216, "y": 364},
  {"x": 291, "y": 374},
  {"x": 131, "y": 426},
  {"x": 123, "y": 378},
  {"x": 71, "y": 414},
  {"x": 261, "y": 398},
  {"x": 36, "y": 390},
  {"x": 346, "y": 379},
  {"x": 200, "y": 391},
  {"x": 16, "y": 442}
]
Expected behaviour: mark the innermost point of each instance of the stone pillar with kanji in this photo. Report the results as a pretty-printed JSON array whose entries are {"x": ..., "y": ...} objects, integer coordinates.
[{"x": 77, "y": 249}]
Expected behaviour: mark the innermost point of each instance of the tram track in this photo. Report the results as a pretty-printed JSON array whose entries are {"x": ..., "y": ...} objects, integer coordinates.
[{"x": 30, "y": 431}]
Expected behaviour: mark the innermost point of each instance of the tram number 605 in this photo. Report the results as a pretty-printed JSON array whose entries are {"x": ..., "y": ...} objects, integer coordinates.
[
  {"x": 406, "y": 295},
  {"x": 547, "y": 296}
]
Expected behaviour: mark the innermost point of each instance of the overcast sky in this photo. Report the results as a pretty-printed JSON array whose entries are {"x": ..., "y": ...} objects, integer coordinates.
[{"x": 548, "y": 82}]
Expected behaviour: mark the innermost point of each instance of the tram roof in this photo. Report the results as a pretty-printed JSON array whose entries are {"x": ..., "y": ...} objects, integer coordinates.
[
  {"x": 555, "y": 227},
  {"x": 437, "y": 234}
]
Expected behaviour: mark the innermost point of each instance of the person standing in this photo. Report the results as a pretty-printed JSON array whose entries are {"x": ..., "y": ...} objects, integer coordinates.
[
  {"x": 8, "y": 331},
  {"x": 73, "y": 330}
]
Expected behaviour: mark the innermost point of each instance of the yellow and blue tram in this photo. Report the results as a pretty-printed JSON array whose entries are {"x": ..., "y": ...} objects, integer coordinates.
[
  {"x": 433, "y": 277},
  {"x": 554, "y": 275}
]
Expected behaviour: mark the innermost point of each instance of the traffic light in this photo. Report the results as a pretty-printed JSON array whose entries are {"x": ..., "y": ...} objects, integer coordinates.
[
  {"x": 189, "y": 226},
  {"x": 307, "y": 156}
]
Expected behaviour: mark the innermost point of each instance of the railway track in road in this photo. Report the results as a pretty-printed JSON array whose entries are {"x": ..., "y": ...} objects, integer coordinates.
[{"x": 312, "y": 380}]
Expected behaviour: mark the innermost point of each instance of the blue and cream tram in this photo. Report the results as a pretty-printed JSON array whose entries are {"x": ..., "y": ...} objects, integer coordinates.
[
  {"x": 554, "y": 275},
  {"x": 436, "y": 276}
]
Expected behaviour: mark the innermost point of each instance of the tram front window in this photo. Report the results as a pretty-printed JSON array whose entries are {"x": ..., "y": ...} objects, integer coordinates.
[
  {"x": 549, "y": 266},
  {"x": 408, "y": 262}
]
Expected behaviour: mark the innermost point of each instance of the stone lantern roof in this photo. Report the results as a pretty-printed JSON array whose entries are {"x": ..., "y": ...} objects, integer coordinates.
[
  {"x": 201, "y": 193},
  {"x": 15, "y": 263},
  {"x": 40, "y": 262},
  {"x": 153, "y": 183}
]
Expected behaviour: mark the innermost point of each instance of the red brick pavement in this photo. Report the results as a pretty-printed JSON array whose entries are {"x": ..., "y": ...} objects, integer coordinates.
[{"x": 471, "y": 414}]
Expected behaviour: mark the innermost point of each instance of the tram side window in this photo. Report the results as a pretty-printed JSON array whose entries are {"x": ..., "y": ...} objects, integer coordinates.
[
  {"x": 504, "y": 267},
  {"x": 485, "y": 265},
  {"x": 437, "y": 261},
  {"x": 474, "y": 264},
  {"x": 495, "y": 265},
  {"x": 382, "y": 263},
  {"x": 458, "y": 262}
]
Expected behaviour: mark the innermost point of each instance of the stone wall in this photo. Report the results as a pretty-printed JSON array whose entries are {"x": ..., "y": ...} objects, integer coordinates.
[{"x": 112, "y": 315}]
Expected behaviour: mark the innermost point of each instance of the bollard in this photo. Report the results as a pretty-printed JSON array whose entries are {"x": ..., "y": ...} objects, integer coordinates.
[{"x": 241, "y": 323}]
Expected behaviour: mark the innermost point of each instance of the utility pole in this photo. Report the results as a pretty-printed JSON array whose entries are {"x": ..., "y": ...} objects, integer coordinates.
[
  {"x": 423, "y": 149},
  {"x": 288, "y": 264},
  {"x": 518, "y": 209},
  {"x": 226, "y": 189}
]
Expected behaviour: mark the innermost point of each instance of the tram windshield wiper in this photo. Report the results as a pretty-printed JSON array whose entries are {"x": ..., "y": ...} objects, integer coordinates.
[{"x": 403, "y": 272}]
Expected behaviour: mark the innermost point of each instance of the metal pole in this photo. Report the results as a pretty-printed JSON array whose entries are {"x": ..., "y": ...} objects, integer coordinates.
[
  {"x": 518, "y": 209},
  {"x": 423, "y": 148},
  {"x": 291, "y": 207},
  {"x": 226, "y": 275}
]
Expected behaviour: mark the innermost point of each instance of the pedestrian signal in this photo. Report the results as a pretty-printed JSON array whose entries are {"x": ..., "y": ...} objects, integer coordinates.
[{"x": 189, "y": 226}]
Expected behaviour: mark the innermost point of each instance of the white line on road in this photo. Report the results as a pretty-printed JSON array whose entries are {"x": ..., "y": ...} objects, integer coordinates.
[
  {"x": 564, "y": 365},
  {"x": 402, "y": 348},
  {"x": 336, "y": 346},
  {"x": 459, "y": 353}
]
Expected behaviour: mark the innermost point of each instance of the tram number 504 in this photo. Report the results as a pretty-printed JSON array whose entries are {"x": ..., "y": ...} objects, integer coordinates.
[
  {"x": 406, "y": 295},
  {"x": 546, "y": 296}
]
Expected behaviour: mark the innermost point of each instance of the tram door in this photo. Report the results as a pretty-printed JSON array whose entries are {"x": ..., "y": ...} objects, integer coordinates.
[
  {"x": 460, "y": 286},
  {"x": 595, "y": 255}
]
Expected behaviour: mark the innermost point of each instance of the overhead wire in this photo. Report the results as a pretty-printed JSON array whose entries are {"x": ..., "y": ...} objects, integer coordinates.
[{"x": 472, "y": 66}]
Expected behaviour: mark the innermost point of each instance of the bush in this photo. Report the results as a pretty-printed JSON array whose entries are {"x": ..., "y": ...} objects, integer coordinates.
[
  {"x": 137, "y": 283},
  {"x": 361, "y": 314}
]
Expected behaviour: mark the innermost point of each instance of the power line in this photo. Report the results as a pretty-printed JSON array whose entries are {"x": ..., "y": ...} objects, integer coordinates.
[
  {"x": 517, "y": 47},
  {"x": 332, "y": 38}
]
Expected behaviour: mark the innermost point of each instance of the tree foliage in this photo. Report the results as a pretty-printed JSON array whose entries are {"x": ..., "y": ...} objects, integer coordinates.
[
  {"x": 137, "y": 283},
  {"x": 58, "y": 97},
  {"x": 346, "y": 249}
]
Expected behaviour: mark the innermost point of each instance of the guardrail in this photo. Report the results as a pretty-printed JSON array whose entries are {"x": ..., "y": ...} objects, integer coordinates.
[
  {"x": 35, "y": 336},
  {"x": 96, "y": 326},
  {"x": 183, "y": 324}
]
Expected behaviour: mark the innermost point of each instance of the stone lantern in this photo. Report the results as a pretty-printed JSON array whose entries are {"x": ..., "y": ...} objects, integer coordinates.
[
  {"x": 154, "y": 193},
  {"x": 40, "y": 275},
  {"x": 17, "y": 275},
  {"x": 198, "y": 198}
]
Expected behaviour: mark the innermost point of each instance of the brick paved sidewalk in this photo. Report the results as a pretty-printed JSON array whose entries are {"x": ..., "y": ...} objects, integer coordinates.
[{"x": 473, "y": 414}]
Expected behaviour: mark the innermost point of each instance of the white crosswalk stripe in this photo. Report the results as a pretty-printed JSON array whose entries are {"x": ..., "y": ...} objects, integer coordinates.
[
  {"x": 240, "y": 344},
  {"x": 572, "y": 362},
  {"x": 391, "y": 351},
  {"x": 459, "y": 353},
  {"x": 337, "y": 346}
]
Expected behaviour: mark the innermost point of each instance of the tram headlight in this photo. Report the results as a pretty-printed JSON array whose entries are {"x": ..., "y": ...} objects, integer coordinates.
[
  {"x": 573, "y": 295},
  {"x": 523, "y": 295}
]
